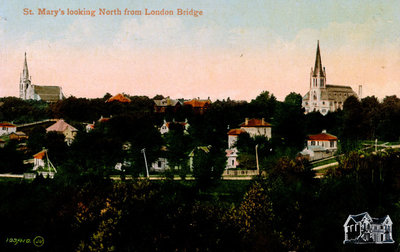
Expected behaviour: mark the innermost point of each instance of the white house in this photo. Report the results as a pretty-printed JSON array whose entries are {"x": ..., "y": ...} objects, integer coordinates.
[
  {"x": 7, "y": 128},
  {"x": 256, "y": 127},
  {"x": 161, "y": 164},
  {"x": 320, "y": 145},
  {"x": 166, "y": 125},
  {"x": 362, "y": 229},
  {"x": 42, "y": 165},
  {"x": 64, "y": 128}
]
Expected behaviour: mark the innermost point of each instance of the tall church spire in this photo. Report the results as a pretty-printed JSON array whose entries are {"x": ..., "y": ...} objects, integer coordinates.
[
  {"x": 318, "y": 70},
  {"x": 25, "y": 72}
]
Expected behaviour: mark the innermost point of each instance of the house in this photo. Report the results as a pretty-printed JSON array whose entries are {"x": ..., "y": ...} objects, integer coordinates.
[
  {"x": 256, "y": 127},
  {"x": 89, "y": 127},
  {"x": 362, "y": 229},
  {"x": 42, "y": 164},
  {"x": 119, "y": 98},
  {"x": 321, "y": 96},
  {"x": 64, "y": 128},
  {"x": 320, "y": 146},
  {"x": 231, "y": 158},
  {"x": 233, "y": 135},
  {"x": 166, "y": 125},
  {"x": 7, "y": 128},
  {"x": 198, "y": 106},
  {"x": 19, "y": 135},
  {"x": 161, "y": 164},
  {"x": 162, "y": 105},
  {"x": 104, "y": 119}
]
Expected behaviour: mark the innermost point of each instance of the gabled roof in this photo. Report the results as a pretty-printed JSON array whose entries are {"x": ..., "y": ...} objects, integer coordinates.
[
  {"x": 119, "y": 98},
  {"x": 166, "y": 102},
  {"x": 195, "y": 103},
  {"x": 60, "y": 126},
  {"x": 235, "y": 132},
  {"x": 381, "y": 220},
  {"x": 48, "y": 93},
  {"x": 255, "y": 123},
  {"x": 40, "y": 155},
  {"x": 8, "y": 125},
  {"x": 322, "y": 137},
  {"x": 357, "y": 218},
  {"x": 206, "y": 149}
]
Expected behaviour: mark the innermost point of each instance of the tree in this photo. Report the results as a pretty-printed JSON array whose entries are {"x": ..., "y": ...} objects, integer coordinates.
[{"x": 352, "y": 116}]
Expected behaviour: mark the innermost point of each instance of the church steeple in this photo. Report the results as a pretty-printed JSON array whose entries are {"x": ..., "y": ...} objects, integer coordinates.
[
  {"x": 318, "y": 70},
  {"x": 25, "y": 72}
]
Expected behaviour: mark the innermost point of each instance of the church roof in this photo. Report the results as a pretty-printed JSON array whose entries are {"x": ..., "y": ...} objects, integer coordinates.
[
  {"x": 318, "y": 70},
  {"x": 334, "y": 93},
  {"x": 48, "y": 93}
]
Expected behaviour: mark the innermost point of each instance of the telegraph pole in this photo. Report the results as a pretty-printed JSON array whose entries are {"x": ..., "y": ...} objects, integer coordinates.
[{"x": 145, "y": 161}]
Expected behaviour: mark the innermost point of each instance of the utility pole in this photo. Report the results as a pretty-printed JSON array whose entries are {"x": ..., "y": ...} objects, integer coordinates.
[
  {"x": 145, "y": 161},
  {"x": 258, "y": 168}
]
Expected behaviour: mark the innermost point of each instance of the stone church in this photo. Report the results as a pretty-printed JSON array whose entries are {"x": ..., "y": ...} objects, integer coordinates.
[
  {"x": 324, "y": 97},
  {"x": 28, "y": 91}
]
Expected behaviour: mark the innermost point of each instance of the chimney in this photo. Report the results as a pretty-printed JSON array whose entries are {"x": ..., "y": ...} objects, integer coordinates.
[
  {"x": 324, "y": 131},
  {"x": 360, "y": 91},
  {"x": 262, "y": 121},
  {"x": 246, "y": 121}
]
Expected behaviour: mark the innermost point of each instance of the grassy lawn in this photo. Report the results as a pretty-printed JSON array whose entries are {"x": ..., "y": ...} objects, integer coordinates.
[
  {"x": 393, "y": 143},
  {"x": 325, "y": 162}
]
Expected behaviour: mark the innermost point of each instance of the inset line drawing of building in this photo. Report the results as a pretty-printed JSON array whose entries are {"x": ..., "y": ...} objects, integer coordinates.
[{"x": 363, "y": 229}]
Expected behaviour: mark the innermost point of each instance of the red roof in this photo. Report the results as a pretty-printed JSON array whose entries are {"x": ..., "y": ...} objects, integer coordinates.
[
  {"x": 120, "y": 98},
  {"x": 40, "y": 155},
  {"x": 321, "y": 137},
  {"x": 255, "y": 123},
  {"x": 197, "y": 103},
  {"x": 6, "y": 124},
  {"x": 235, "y": 132}
]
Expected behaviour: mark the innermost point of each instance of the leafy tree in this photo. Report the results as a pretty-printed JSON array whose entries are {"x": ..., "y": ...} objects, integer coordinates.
[{"x": 11, "y": 159}]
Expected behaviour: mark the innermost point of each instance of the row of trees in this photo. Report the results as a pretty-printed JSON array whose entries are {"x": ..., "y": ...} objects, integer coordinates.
[{"x": 135, "y": 122}]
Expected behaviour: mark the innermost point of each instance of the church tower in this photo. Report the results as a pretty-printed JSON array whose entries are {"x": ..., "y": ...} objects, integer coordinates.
[
  {"x": 24, "y": 81},
  {"x": 317, "y": 79},
  {"x": 322, "y": 97}
]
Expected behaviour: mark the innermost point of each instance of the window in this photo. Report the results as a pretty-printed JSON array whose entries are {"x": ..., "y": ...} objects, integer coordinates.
[
  {"x": 323, "y": 103},
  {"x": 233, "y": 162},
  {"x": 159, "y": 164},
  {"x": 312, "y": 142}
]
